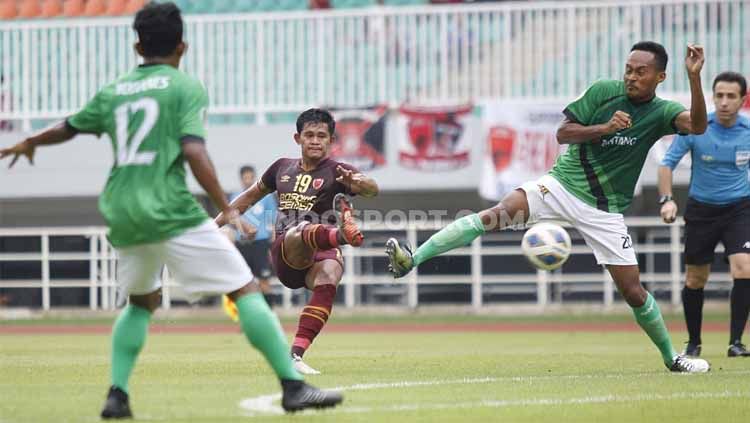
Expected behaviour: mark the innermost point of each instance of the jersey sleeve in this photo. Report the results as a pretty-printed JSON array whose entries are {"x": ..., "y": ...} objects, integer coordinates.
[
  {"x": 269, "y": 176},
  {"x": 582, "y": 109},
  {"x": 671, "y": 111},
  {"x": 192, "y": 111},
  {"x": 680, "y": 146},
  {"x": 90, "y": 119}
]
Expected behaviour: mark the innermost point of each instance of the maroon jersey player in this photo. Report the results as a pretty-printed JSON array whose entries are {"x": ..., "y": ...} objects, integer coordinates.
[{"x": 315, "y": 218}]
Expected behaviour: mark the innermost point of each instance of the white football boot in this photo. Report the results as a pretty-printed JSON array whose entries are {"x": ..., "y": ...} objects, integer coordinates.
[{"x": 302, "y": 367}]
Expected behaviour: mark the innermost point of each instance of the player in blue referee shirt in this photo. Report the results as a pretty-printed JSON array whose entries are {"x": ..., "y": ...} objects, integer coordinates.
[
  {"x": 255, "y": 248},
  {"x": 718, "y": 208},
  {"x": 263, "y": 217}
]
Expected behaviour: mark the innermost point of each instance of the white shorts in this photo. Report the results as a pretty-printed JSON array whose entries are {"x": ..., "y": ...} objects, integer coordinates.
[
  {"x": 201, "y": 260},
  {"x": 604, "y": 232}
]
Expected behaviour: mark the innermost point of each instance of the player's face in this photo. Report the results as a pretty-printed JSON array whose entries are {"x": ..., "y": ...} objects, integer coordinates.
[
  {"x": 641, "y": 75},
  {"x": 314, "y": 140},
  {"x": 727, "y": 100},
  {"x": 247, "y": 179}
]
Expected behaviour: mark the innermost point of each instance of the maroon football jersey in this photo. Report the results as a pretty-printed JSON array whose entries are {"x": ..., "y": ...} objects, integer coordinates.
[{"x": 304, "y": 195}]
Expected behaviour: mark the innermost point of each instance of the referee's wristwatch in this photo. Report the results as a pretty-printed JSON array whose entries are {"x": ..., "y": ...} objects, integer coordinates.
[{"x": 664, "y": 198}]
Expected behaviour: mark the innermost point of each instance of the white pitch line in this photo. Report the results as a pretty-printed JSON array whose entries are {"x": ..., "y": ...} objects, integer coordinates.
[
  {"x": 265, "y": 404},
  {"x": 544, "y": 402}
]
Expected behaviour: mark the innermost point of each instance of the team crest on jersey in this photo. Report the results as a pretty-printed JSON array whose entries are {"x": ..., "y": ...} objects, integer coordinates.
[
  {"x": 285, "y": 178},
  {"x": 317, "y": 183}
]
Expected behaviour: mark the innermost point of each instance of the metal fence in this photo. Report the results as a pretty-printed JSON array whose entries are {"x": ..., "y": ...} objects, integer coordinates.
[
  {"x": 365, "y": 279},
  {"x": 278, "y": 62}
]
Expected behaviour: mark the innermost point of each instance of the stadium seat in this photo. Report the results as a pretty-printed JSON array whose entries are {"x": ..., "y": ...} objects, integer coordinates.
[
  {"x": 94, "y": 8},
  {"x": 51, "y": 8},
  {"x": 295, "y": 4},
  {"x": 72, "y": 8},
  {"x": 320, "y": 4},
  {"x": 29, "y": 9},
  {"x": 245, "y": 6},
  {"x": 184, "y": 5},
  {"x": 404, "y": 2},
  {"x": 133, "y": 6},
  {"x": 349, "y": 4},
  {"x": 115, "y": 8},
  {"x": 206, "y": 6},
  {"x": 8, "y": 9}
]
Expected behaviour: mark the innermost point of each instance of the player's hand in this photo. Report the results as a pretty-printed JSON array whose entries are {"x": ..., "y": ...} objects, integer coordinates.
[
  {"x": 23, "y": 148},
  {"x": 619, "y": 121},
  {"x": 669, "y": 211},
  {"x": 349, "y": 178},
  {"x": 694, "y": 59},
  {"x": 248, "y": 231}
]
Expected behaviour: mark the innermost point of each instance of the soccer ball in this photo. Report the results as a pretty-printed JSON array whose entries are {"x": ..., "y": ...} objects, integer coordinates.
[{"x": 546, "y": 246}]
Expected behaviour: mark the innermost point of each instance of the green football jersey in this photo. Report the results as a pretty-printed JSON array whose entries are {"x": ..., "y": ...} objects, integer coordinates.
[
  {"x": 603, "y": 172},
  {"x": 146, "y": 114}
]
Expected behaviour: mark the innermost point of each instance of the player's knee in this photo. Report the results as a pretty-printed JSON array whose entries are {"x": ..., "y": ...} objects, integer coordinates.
[
  {"x": 695, "y": 281},
  {"x": 634, "y": 294},
  {"x": 250, "y": 288},
  {"x": 149, "y": 302}
]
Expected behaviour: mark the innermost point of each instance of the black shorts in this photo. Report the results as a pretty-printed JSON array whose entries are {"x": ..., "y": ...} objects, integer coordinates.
[
  {"x": 257, "y": 256},
  {"x": 706, "y": 225}
]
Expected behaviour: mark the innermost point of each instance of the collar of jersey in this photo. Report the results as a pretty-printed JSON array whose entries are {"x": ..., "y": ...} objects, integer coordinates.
[
  {"x": 299, "y": 164},
  {"x": 742, "y": 121}
]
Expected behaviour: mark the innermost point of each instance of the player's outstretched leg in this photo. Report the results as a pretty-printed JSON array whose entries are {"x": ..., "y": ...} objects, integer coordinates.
[
  {"x": 513, "y": 209},
  {"x": 326, "y": 237},
  {"x": 263, "y": 330},
  {"x": 457, "y": 234},
  {"x": 348, "y": 229},
  {"x": 128, "y": 337},
  {"x": 400, "y": 258},
  {"x": 649, "y": 318}
]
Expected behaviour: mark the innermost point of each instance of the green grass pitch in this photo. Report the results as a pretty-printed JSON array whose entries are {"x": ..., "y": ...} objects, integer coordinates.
[{"x": 386, "y": 377}]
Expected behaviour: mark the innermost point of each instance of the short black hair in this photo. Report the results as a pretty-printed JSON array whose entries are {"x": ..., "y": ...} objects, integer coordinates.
[
  {"x": 660, "y": 53},
  {"x": 159, "y": 27},
  {"x": 246, "y": 168},
  {"x": 316, "y": 116},
  {"x": 730, "y": 76}
]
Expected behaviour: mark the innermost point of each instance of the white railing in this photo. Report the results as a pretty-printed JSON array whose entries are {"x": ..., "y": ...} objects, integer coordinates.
[
  {"x": 277, "y": 62},
  {"x": 659, "y": 241}
]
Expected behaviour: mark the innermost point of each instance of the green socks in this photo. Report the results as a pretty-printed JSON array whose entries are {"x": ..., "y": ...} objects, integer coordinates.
[
  {"x": 649, "y": 318},
  {"x": 459, "y": 233},
  {"x": 263, "y": 330},
  {"x": 128, "y": 337}
]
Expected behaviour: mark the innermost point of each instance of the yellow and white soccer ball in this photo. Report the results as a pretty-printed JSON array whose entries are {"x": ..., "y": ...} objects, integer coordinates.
[{"x": 546, "y": 246}]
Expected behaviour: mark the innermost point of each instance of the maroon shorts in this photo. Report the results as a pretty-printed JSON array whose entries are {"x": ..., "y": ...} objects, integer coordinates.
[{"x": 290, "y": 276}]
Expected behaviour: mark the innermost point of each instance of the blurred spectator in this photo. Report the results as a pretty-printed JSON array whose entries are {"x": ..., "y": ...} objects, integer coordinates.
[
  {"x": 262, "y": 216},
  {"x": 320, "y": 4}
]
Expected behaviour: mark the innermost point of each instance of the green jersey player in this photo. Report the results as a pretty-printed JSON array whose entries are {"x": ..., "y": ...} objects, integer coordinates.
[
  {"x": 154, "y": 118},
  {"x": 610, "y": 129}
]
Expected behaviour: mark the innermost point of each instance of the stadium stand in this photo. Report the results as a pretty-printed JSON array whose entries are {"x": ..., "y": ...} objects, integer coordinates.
[{"x": 43, "y": 9}]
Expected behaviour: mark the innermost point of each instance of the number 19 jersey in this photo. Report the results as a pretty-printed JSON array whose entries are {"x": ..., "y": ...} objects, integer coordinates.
[{"x": 147, "y": 115}]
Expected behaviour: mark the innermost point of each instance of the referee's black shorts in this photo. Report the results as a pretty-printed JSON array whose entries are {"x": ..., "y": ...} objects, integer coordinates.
[
  {"x": 707, "y": 224},
  {"x": 257, "y": 256}
]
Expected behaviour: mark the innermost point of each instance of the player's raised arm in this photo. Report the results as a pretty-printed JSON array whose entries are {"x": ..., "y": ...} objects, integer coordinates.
[
  {"x": 245, "y": 200},
  {"x": 357, "y": 183},
  {"x": 695, "y": 120},
  {"x": 56, "y": 134}
]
